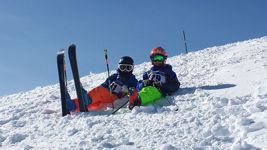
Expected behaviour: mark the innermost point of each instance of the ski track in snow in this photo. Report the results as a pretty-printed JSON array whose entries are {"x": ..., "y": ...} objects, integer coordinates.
[{"x": 222, "y": 105}]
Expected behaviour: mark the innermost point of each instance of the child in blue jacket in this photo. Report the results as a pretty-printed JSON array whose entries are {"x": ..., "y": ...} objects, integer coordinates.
[{"x": 158, "y": 82}]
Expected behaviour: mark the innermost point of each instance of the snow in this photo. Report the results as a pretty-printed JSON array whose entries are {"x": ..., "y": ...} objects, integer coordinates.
[{"x": 222, "y": 104}]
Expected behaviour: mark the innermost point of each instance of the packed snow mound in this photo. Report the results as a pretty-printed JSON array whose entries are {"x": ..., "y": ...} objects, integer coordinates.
[{"x": 222, "y": 105}]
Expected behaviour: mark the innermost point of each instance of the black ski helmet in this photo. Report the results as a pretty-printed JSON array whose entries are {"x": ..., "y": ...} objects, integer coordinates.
[{"x": 126, "y": 60}]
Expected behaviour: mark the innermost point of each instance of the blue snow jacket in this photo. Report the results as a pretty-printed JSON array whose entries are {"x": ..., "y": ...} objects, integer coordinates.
[
  {"x": 120, "y": 79},
  {"x": 166, "y": 76}
]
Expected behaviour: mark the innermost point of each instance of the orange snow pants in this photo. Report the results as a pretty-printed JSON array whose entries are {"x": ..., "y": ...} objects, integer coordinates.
[{"x": 101, "y": 98}]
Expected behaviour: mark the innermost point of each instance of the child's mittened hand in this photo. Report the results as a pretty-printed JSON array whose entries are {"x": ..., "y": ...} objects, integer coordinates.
[
  {"x": 147, "y": 82},
  {"x": 157, "y": 84}
]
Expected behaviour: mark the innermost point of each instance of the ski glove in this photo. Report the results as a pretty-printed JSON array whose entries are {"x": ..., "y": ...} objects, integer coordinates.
[
  {"x": 124, "y": 91},
  {"x": 115, "y": 87},
  {"x": 157, "y": 84},
  {"x": 147, "y": 83}
]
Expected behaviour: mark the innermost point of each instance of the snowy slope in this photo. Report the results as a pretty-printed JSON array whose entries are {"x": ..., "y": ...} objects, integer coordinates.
[{"x": 222, "y": 105}]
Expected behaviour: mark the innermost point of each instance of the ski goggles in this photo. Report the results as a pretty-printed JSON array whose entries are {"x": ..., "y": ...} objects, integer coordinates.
[
  {"x": 159, "y": 58},
  {"x": 125, "y": 67}
]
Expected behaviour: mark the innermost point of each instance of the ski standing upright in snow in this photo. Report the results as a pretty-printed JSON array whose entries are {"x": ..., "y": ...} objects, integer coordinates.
[
  {"x": 78, "y": 86},
  {"x": 62, "y": 81}
]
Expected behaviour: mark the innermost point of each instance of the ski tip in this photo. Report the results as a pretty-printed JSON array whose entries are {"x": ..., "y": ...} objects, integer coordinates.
[
  {"x": 60, "y": 51},
  {"x": 72, "y": 46}
]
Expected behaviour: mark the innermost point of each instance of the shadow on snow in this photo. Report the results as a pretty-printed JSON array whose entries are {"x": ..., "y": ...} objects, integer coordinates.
[{"x": 191, "y": 90}]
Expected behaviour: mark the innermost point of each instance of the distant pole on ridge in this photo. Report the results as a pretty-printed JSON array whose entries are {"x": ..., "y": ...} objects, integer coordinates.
[{"x": 185, "y": 43}]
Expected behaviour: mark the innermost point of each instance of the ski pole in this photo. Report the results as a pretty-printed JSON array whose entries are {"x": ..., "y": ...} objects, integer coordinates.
[
  {"x": 106, "y": 58},
  {"x": 185, "y": 43},
  {"x": 120, "y": 107},
  {"x": 130, "y": 92}
]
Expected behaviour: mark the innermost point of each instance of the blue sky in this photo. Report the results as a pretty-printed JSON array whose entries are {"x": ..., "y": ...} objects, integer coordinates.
[{"x": 32, "y": 31}]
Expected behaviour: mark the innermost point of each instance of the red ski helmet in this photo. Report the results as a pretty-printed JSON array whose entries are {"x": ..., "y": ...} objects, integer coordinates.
[{"x": 158, "y": 51}]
